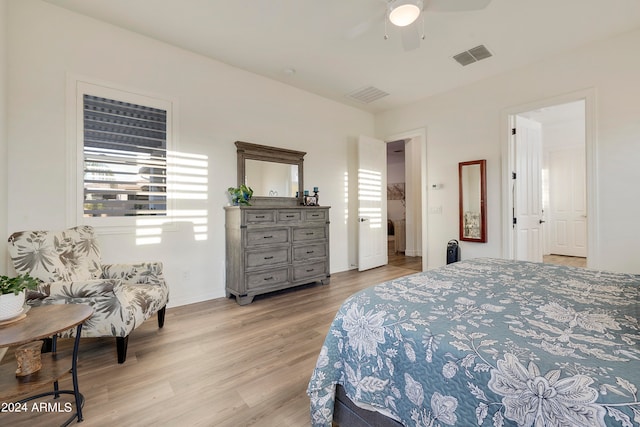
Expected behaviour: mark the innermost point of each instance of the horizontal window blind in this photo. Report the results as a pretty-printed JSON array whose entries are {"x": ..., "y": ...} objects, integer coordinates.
[{"x": 125, "y": 158}]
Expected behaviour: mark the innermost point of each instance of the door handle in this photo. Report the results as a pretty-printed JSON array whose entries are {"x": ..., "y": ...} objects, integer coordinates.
[
  {"x": 542, "y": 221},
  {"x": 362, "y": 219}
]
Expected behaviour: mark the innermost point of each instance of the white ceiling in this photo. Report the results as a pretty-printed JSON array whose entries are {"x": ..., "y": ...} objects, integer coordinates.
[{"x": 322, "y": 40}]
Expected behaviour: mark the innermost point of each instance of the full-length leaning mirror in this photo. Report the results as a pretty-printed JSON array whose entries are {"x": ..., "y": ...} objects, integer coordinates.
[
  {"x": 274, "y": 174},
  {"x": 473, "y": 207}
]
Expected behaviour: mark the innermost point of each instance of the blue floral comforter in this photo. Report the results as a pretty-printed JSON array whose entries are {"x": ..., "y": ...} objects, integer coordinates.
[{"x": 488, "y": 342}]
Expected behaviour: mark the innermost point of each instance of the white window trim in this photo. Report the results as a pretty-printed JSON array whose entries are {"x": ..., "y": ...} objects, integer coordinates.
[{"x": 76, "y": 87}]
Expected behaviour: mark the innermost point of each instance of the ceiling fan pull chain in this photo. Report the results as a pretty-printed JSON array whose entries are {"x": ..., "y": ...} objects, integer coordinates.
[
  {"x": 422, "y": 16},
  {"x": 386, "y": 36}
]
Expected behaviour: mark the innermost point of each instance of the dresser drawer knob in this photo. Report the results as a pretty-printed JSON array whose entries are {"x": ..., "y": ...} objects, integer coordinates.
[
  {"x": 268, "y": 257},
  {"x": 259, "y": 216},
  {"x": 268, "y": 278},
  {"x": 268, "y": 237},
  {"x": 309, "y": 252},
  {"x": 310, "y": 270}
]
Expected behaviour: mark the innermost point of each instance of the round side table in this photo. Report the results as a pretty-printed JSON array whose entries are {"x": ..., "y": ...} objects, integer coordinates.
[{"x": 44, "y": 322}]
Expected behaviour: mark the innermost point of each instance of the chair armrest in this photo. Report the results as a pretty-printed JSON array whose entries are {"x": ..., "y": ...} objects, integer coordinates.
[
  {"x": 145, "y": 272},
  {"x": 68, "y": 291}
]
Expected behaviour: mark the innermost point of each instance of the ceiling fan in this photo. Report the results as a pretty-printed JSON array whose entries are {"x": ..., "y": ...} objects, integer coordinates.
[{"x": 405, "y": 13}]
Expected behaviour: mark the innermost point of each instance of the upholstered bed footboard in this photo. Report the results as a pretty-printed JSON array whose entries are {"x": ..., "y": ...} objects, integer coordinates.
[{"x": 347, "y": 414}]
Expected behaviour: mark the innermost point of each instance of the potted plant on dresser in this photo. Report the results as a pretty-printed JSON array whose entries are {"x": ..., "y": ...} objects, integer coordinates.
[
  {"x": 241, "y": 195},
  {"x": 12, "y": 294}
]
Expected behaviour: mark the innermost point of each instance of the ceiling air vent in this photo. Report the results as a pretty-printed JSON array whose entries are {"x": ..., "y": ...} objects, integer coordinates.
[
  {"x": 367, "y": 94},
  {"x": 472, "y": 55}
]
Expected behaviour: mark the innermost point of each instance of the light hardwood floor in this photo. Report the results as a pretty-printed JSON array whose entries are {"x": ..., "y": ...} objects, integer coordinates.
[
  {"x": 399, "y": 259},
  {"x": 571, "y": 261},
  {"x": 214, "y": 363}
]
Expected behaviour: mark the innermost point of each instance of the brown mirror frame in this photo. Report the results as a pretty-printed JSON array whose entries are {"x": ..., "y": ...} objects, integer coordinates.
[
  {"x": 265, "y": 153},
  {"x": 473, "y": 196}
]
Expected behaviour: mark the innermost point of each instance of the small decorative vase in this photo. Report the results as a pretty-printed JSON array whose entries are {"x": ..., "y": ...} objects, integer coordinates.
[
  {"x": 11, "y": 305},
  {"x": 241, "y": 200}
]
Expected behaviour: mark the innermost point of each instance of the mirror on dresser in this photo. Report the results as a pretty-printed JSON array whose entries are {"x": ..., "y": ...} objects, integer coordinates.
[{"x": 274, "y": 174}]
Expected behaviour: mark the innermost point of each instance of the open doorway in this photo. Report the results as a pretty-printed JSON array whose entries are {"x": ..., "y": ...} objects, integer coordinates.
[
  {"x": 372, "y": 201},
  {"x": 402, "y": 251},
  {"x": 549, "y": 184}
]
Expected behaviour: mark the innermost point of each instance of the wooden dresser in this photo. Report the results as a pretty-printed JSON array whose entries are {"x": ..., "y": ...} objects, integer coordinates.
[{"x": 273, "y": 248}]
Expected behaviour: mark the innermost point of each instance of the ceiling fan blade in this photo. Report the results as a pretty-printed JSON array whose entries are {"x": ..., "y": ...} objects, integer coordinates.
[
  {"x": 410, "y": 36},
  {"x": 455, "y": 5}
]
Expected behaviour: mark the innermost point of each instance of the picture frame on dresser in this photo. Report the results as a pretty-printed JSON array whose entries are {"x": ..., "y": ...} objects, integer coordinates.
[{"x": 310, "y": 201}]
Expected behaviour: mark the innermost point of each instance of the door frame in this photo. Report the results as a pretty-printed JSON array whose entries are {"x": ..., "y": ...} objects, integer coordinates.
[
  {"x": 589, "y": 98},
  {"x": 418, "y": 142}
]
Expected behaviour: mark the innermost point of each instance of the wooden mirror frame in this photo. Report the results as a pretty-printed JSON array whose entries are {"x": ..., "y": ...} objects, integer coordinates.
[
  {"x": 482, "y": 188},
  {"x": 265, "y": 153}
]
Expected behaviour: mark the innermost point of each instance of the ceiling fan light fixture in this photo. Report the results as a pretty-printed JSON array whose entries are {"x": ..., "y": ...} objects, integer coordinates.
[{"x": 404, "y": 12}]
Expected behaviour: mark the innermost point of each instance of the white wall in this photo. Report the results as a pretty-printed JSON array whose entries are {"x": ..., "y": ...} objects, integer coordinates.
[
  {"x": 217, "y": 105},
  {"x": 563, "y": 134},
  {"x": 3, "y": 137},
  {"x": 395, "y": 175},
  {"x": 465, "y": 124}
]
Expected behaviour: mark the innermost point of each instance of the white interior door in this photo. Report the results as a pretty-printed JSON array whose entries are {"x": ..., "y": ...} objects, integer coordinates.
[
  {"x": 372, "y": 203},
  {"x": 567, "y": 202},
  {"x": 528, "y": 237}
]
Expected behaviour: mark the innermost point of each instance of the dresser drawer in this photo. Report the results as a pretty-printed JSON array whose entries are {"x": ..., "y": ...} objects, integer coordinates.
[
  {"x": 309, "y": 233},
  {"x": 285, "y": 216},
  {"x": 315, "y": 215},
  {"x": 259, "y": 216},
  {"x": 266, "y": 236},
  {"x": 313, "y": 269},
  {"x": 271, "y": 256},
  {"x": 268, "y": 278},
  {"x": 301, "y": 253}
]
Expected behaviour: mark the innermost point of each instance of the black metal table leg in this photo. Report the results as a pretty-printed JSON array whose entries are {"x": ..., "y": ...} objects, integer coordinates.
[
  {"x": 74, "y": 374},
  {"x": 79, "y": 398}
]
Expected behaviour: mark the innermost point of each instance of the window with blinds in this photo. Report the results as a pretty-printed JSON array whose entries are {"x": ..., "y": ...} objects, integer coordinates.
[{"x": 125, "y": 158}]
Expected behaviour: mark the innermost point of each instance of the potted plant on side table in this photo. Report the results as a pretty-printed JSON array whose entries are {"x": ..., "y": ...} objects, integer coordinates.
[{"x": 12, "y": 294}]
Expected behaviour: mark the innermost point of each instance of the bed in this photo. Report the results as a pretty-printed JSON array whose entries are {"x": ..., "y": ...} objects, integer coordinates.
[{"x": 484, "y": 342}]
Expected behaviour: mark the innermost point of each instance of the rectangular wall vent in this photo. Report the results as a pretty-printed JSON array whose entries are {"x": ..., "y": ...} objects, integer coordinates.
[
  {"x": 472, "y": 55},
  {"x": 367, "y": 94}
]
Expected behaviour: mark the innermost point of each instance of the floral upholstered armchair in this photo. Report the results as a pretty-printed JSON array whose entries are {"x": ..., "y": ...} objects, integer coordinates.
[{"x": 68, "y": 265}]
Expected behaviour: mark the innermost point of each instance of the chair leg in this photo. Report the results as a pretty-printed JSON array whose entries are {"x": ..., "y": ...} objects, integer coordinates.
[
  {"x": 47, "y": 345},
  {"x": 121, "y": 344},
  {"x": 161, "y": 313}
]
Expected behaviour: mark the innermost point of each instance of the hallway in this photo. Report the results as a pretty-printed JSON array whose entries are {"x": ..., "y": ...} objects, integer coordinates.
[
  {"x": 400, "y": 260},
  {"x": 572, "y": 261}
]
